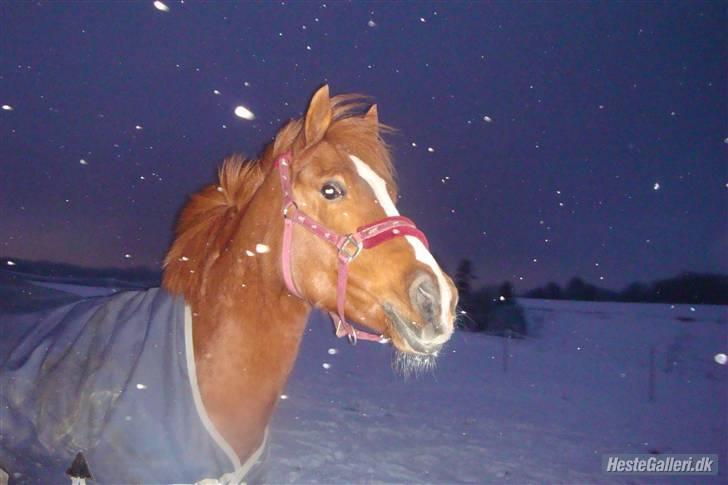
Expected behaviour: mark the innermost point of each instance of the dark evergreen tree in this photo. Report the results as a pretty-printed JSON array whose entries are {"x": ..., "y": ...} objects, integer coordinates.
[
  {"x": 505, "y": 292},
  {"x": 464, "y": 277},
  {"x": 552, "y": 291}
]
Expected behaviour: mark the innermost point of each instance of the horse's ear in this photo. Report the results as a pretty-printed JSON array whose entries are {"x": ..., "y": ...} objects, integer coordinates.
[
  {"x": 318, "y": 116},
  {"x": 372, "y": 115}
]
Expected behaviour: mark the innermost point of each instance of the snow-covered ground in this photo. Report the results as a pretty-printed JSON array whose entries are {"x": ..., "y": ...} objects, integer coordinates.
[
  {"x": 577, "y": 388},
  {"x": 540, "y": 409}
]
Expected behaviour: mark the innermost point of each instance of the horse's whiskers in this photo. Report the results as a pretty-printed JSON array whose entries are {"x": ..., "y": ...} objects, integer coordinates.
[{"x": 408, "y": 364}]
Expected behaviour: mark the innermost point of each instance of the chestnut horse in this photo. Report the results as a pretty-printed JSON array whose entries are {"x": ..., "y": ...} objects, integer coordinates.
[
  {"x": 227, "y": 262},
  {"x": 161, "y": 384}
]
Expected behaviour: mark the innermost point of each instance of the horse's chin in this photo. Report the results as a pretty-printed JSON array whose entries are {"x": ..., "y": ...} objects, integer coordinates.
[{"x": 412, "y": 356}]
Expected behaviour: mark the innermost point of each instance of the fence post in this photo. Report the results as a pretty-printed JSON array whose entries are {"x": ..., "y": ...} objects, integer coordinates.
[
  {"x": 506, "y": 349},
  {"x": 652, "y": 376}
]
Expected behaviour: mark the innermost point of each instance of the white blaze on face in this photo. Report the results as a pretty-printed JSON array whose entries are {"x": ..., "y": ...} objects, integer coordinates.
[{"x": 379, "y": 187}]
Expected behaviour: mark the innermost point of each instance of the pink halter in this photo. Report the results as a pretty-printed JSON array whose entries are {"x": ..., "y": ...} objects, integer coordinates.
[{"x": 348, "y": 247}]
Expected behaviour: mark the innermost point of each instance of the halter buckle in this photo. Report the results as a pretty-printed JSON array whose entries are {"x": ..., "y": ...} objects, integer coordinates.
[
  {"x": 349, "y": 255},
  {"x": 287, "y": 208}
]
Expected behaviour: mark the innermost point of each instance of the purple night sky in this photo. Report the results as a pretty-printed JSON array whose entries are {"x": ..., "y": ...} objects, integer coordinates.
[{"x": 542, "y": 141}]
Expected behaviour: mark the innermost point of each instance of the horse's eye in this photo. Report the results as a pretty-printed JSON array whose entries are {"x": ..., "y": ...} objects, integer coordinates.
[{"x": 332, "y": 191}]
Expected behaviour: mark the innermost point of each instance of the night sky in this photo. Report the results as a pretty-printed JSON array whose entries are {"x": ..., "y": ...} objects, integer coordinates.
[{"x": 542, "y": 141}]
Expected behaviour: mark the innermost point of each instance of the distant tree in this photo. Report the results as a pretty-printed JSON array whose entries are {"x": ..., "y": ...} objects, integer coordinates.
[
  {"x": 505, "y": 292},
  {"x": 464, "y": 277},
  {"x": 552, "y": 291},
  {"x": 696, "y": 288},
  {"x": 481, "y": 302},
  {"x": 692, "y": 288},
  {"x": 635, "y": 292},
  {"x": 577, "y": 289}
]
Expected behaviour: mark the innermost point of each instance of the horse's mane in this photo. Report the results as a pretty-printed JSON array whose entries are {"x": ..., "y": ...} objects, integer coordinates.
[{"x": 205, "y": 224}]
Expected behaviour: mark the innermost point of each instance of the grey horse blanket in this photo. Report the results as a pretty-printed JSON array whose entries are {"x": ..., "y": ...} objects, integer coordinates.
[{"x": 114, "y": 379}]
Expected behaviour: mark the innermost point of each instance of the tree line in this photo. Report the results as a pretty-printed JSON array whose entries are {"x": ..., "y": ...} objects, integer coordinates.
[{"x": 687, "y": 287}]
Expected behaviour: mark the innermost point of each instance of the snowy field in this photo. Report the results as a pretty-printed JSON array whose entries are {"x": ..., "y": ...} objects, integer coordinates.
[
  {"x": 578, "y": 387},
  {"x": 540, "y": 409}
]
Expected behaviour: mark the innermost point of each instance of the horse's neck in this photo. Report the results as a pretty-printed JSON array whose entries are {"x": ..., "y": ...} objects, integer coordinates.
[{"x": 246, "y": 330}]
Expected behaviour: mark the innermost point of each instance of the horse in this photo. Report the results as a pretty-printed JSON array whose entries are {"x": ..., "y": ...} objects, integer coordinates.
[{"x": 311, "y": 223}]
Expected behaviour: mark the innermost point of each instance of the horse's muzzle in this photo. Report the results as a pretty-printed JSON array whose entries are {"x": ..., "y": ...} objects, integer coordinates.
[{"x": 429, "y": 333}]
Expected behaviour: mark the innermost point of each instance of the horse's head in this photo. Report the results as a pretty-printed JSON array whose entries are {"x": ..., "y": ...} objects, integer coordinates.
[{"x": 341, "y": 177}]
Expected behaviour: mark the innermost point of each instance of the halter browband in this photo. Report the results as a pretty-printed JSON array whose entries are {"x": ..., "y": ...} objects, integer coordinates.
[{"x": 348, "y": 247}]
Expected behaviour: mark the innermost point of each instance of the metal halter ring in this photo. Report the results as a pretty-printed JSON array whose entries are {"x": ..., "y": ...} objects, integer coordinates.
[
  {"x": 347, "y": 255},
  {"x": 288, "y": 207}
]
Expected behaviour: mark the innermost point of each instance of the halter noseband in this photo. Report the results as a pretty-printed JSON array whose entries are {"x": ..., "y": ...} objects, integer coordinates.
[{"x": 348, "y": 247}]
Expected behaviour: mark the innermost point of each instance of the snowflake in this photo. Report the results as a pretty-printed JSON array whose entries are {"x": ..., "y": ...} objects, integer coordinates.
[
  {"x": 244, "y": 113},
  {"x": 161, "y": 6}
]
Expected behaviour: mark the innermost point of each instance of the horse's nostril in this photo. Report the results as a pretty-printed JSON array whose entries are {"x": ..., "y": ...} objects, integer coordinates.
[{"x": 425, "y": 299}]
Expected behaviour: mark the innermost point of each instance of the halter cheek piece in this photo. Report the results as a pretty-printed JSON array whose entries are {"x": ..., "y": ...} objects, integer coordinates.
[{"x": 348, "y": 247}]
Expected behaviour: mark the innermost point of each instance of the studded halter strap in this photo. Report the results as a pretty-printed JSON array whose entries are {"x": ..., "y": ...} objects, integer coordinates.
[{"x": 348, "y": 247}]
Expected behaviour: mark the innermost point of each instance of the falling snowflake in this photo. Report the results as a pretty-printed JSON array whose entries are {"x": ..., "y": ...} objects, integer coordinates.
[
  {"x": 656, "y": 186},
  {"x": 326, "y": 365},
  {"x": 371, "y": 23},
  {"x": 487, "y": 119},
  {"x": 249, "y": 252},
  {"x": 333, "y": 351},
  {"x": 244, "y": 113},
  {"x": 7, "y": 107},
  {"x": 284, "y": 396},
  {"x": 415, "y": 144},
  {"x": 422, "y": 19},
  {"x": 10, "y": 263},
  {"x": 430, "y": 149},
  {"x": 721, "y": 358},
  {"x": 261, "y": 248},
  {"x": 141, "y": 387},
  {"x": 215, "y": 91},
  {"x": 161, "y": 6},
  {"x": 138, "y": 127},
  {"x": 83, "y": 162}
]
